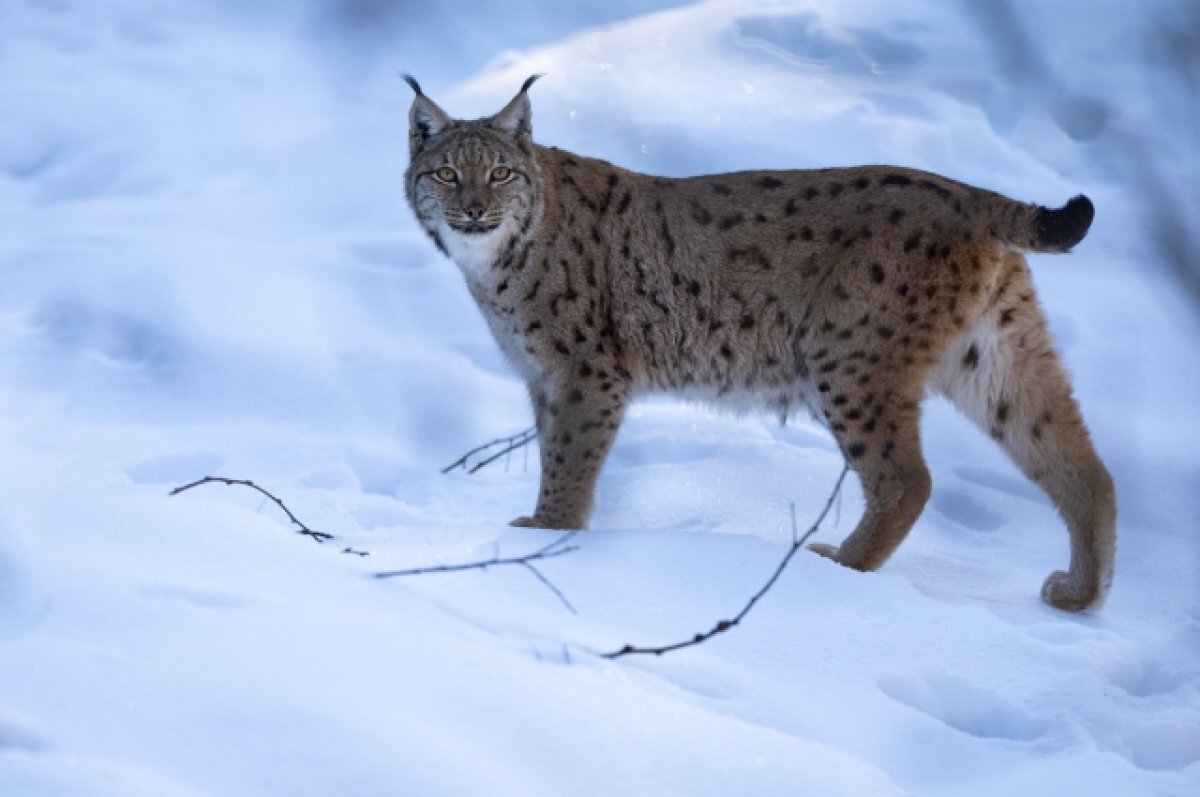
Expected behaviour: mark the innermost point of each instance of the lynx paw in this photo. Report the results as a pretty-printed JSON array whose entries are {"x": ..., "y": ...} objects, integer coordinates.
[
  {"x": 540, "y": 523},
  {"x": 1062, "y": 592},
  {"x": 825, "y": 549}
]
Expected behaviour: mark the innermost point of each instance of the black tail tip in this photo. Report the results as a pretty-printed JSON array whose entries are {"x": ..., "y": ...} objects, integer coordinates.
[{"x": 1059, "y": 230}]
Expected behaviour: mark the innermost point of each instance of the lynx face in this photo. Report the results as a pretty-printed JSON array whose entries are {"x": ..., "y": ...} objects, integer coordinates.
[{"x": 472, "y": 184}]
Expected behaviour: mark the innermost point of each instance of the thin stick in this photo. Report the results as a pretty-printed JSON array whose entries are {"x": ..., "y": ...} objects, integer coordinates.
[
  {"x": 724, "y": 625},
  {"x": 550, "y": 586},
  {"x": 523, "y": 439},
  {"x": 319, "y": 536},
  {"x": 556, "y": 547},
  {"x": 510, "y": 443}
]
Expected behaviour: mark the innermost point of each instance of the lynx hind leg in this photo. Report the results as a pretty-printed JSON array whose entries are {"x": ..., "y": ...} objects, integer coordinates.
[
  {"x": 1005, "y": 375},
  {"x": 878, "y": 430}
]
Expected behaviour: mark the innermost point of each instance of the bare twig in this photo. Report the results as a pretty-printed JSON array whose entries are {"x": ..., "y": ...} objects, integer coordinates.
[
  {"x": 557, "y": 547},
  {"x": 319, "y": 536},
  {"x": 724, "y": 625},
  {"x": 510, "y": 444},
  {"x": 550, "y": 586}
]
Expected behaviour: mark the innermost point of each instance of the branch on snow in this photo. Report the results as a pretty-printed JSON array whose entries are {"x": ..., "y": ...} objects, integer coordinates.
[
  {"x": 557, "y": 547},
  {"x": 510, "y": 444},
  {"x": 725, "y": 625},
  {"x": 319, "y": 536}
]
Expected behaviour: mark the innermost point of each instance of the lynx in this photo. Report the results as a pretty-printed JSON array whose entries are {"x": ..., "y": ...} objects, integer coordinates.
[{"x": 850, "y": 292}]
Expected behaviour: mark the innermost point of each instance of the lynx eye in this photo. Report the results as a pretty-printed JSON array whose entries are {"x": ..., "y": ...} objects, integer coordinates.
[
  {"x": 500, "y": 174},
  {"x": 446, "y": 175}
]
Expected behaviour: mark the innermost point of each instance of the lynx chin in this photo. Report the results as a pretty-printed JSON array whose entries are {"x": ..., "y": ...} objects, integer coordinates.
[{"x": 849, "y": 293}]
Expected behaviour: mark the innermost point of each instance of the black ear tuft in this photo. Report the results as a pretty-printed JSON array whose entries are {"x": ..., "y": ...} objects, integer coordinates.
[
  {"x": 514, "y": 119},
  {"x": 529, "y": 81},
  {"x": 412, "y": 81},
  {"x": 425, "y": 119}
]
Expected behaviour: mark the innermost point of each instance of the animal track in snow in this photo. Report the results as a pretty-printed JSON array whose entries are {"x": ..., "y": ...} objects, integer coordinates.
[
  {"x": 964, "y": 707},
  {"x": 121, "y": 340},
  {"x": 1163, "y": 734},
  {"x": 378, "y": 472},
  {"x": 1169, "y": 741},
  {"x": 1153, "y": 679},
  {"x": 959, "y": 507},
  {"x": 1001, "y": 482}
]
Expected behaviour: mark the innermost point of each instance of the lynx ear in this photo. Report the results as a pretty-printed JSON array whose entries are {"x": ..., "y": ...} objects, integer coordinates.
[
  {"x": 515, "y": 119},
  {"x": 425, "y": 119}
]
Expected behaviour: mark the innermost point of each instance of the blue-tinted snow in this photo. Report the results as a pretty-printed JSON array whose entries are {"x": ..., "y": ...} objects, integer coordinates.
[{"x": 208, "y": 267}]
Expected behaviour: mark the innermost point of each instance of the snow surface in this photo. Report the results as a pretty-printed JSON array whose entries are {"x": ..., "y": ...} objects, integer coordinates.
[{"x": 208, "y": 268}]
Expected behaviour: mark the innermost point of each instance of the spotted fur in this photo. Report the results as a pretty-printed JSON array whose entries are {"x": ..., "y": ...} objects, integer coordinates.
[{"x": 846, "y": 292}]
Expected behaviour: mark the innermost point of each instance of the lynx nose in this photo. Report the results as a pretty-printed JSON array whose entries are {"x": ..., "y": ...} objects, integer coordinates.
[{"x": 474, "y": 212}]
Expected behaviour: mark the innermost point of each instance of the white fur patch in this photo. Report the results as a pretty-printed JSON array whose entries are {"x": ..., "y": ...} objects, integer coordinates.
[
  {"x": 474, "y": 254},
  {"x": 974, "y": 389}
]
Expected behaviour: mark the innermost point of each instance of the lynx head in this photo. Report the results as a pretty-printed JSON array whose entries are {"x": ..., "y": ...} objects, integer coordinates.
[{"x": 473, "y": 185}]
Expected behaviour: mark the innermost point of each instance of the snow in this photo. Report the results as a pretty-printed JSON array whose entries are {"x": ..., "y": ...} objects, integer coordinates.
[{"x": 208, "y": 268}]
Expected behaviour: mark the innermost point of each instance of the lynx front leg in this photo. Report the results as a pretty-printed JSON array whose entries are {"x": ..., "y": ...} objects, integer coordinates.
[
  {"x": 577, "y": 422},
  {"x": 882, "y": 444}
]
